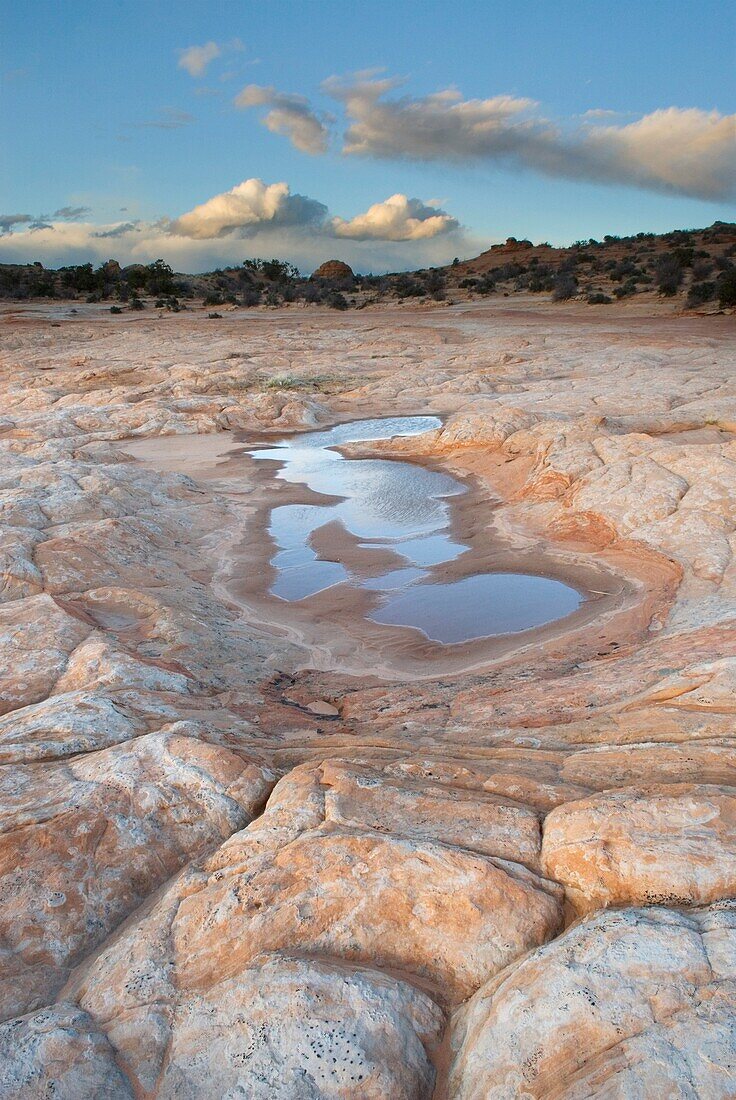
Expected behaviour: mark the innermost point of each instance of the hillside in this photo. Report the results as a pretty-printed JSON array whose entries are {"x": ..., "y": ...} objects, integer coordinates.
[{"x": 695, "y": 266}]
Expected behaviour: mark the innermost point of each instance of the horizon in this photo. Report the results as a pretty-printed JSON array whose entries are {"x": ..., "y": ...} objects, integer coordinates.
[
  {"x": 235, "y": 265},
  {"x": 225, "y": 132}
]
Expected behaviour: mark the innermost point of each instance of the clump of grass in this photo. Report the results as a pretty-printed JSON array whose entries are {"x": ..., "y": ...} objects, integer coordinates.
[{"x": 294, "y": 382}]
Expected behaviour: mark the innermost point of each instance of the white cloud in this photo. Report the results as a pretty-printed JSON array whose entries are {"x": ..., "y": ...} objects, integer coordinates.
[
  {"x": 289, "y": 115},
  {"x": 249, "y": 206},
  {"x": 195, "y": 59},
  {"x": 397, "y": 219},
  {"x": 396, "y": 234},
  {"x": 690, "y": 151},
  {"x": 685, "y": 151}
]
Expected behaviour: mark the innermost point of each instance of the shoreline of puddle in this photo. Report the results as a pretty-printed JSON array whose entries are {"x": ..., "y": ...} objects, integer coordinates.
[{"x": 405, "y": 508}]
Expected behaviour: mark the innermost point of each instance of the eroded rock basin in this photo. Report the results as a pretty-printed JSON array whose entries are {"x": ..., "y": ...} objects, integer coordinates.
[
  {"x": 381, "y": 563},
  {"x": 398, "y": 517}
]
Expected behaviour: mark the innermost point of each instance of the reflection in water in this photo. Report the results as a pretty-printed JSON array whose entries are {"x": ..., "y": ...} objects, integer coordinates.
[
  {"x": 388, "y": 504},
  {"x": 508, "y": 602}
]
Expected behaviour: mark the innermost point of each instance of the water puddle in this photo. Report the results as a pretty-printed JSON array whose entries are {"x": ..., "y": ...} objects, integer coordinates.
[{"x": 383, "y": 526}]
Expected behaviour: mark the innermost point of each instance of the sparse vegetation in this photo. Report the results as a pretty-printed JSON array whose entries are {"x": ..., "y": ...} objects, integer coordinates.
[
  {"x": 297, "y": 382},
  {"x": 693, "y": 267},
  {"x": 668, "y": 274},
  {"x": 565, "y": 287},
  {"x": 599, "y": 299}
]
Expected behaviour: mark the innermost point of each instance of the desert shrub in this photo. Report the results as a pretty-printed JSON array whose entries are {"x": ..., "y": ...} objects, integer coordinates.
[
  {"x": 136, "y": 304},
  {"x": 251, "y": 296},
  {"x": 115, "y": 309},
  {"x": 313, "y": 294},
  {"x": 404, "y": 287},
  {"x": 726, "y": 287},
  {"x": 702, "y": 269},
  {"x": 159, "y": 279},
  {"x": 565, "y": 286},
  {"x": 699, "y": 293},
  {"x": 627, "y": 269},
  {"x": 626, "y": 289},
  {"x": 275, "y": 271},
  {"x": 684, "y": 256},
  {"x": 668, "y": 274},
  {"x": 336, "y": 300},
  {"x": 434, "y": 281},
  {"x": 599, "y": 299},
  {"x": 213, "y": 299},
  {"x": 214, "y": 316}
]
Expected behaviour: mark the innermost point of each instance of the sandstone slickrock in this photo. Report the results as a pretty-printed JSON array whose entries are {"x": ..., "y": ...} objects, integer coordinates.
[
  {"x": 82, "y": 843},
  {"x": 672, "y": 844},
  {"x": 406, "y": 861},
  {"x": 37, "y": 638},
  {"x": 58, "y": 1052},
  {"x": 300, "y": 877},
  {"x": 627, "y": 1003},
  {"x": 286, "y": 1028}
]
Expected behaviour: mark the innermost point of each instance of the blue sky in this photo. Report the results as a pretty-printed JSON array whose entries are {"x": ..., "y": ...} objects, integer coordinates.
[{"x": 101, "y": 110}]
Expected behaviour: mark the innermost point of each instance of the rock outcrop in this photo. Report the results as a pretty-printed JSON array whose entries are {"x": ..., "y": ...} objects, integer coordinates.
[
  {"x": 333, "y": 269},
  {"x": 635, "y": 1002},
  {"x": 231, "y": 863}
]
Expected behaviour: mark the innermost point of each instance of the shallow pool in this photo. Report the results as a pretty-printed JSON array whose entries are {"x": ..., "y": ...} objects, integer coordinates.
[{"x": 374, "y": 510}]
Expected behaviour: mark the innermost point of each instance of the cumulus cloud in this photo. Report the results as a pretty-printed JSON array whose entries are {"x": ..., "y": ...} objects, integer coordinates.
[
  {"x": 683, "y": 151},
  {"x": 290, "y": 115},
  {"x": 398, "y": 233},
  {"x": 195, "y": 59},
  {"x": 399, "y": 218},
  {"x": 248, "y": 207}
]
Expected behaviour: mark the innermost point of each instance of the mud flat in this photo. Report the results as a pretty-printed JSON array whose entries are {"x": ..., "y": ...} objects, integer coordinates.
[{"x": 271, "y": 846}]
